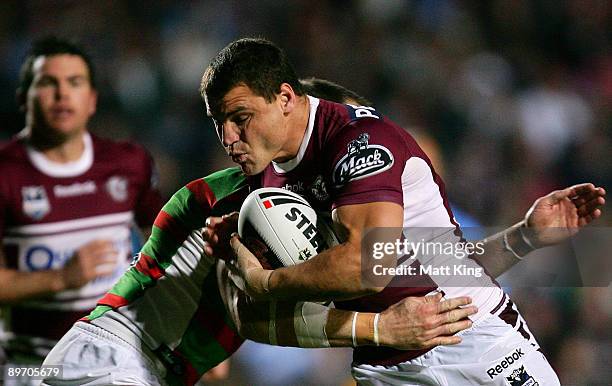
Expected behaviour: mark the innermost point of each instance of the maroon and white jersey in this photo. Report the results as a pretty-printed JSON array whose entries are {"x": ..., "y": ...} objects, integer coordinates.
[
  {"x": 353, "y": 155},
  {"x": 48, "y": 210}
]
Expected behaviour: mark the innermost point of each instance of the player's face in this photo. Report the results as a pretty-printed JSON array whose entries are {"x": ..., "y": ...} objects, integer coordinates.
[
  {"x": 252, "y": 130},
  {"x": 60, "y": 98}
]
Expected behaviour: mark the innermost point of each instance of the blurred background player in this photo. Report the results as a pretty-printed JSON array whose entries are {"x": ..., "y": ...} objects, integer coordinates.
[
  {"x": 278, "y": 134},
  {"x": 69, "y": 201}
]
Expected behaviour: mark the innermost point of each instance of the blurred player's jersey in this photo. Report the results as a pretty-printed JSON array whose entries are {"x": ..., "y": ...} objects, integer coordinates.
[
  {"x": 168, "y": 304},
  {"x": 353, "y": 155},
  {"x": 48, "y": 210}
]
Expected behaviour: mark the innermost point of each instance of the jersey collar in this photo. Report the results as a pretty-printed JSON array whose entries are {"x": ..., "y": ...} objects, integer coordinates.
[
  {"x": 286, "y": 167},
  {"x": 69, "y": 169}
]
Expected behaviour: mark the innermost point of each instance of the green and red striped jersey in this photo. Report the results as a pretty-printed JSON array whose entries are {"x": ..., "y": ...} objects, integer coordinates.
[{"x": 168, "y": 301}]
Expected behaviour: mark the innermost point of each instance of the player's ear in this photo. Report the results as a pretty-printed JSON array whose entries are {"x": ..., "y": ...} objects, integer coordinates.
[{"x": 287, "y": 98}]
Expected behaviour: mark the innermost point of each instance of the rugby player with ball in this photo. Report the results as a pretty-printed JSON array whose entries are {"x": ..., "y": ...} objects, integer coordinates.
[{"x": 367, "y": 172}]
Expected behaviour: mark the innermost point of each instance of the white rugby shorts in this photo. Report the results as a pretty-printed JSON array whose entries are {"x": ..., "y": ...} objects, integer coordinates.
[
  {"x": 492, "y": 352},
  {"x": 94, "y": 357}
]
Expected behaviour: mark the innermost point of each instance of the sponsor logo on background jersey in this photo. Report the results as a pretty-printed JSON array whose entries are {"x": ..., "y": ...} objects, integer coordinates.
[
  {"x": 35, "y": 202},
  {"x": 520, "y": 377},
  {"x": 117, "y": 187},
  {"x": 362, "y": 160},
  {"x": 76, "y": 189}
]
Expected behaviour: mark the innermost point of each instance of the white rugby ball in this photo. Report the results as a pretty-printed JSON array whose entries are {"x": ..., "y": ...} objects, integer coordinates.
[{"x": 281, "y": 228}]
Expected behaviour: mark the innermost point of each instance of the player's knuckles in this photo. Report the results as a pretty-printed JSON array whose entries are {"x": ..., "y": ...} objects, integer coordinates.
[
  {"x": 212, "y": 221},
  {"x": 465, "y": 324},
  {"x": 100, "y": 244},
  {"x": 428, "y": 334},
  {"x": 411, "y": 305},
  {"x": 207, "y": 234},
  {"x": 91, "y": 244},
  {"x": 431, "y": 343},
  {"x": 230, "y": 219},
  {"x": 428, "y": 309},
  {"x": 453, "y": 328},
  {"x": 428, "y": 325},
  {"x": 432, "y": 322},
  {"x": 457, "y": 314},
  {"x": 454, "y": 304},
  {"x": 235, "y": 244}
]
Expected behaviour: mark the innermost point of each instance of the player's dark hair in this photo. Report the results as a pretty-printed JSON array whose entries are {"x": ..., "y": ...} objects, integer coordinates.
[
  {"x": 50, "y": 46},
  {"x": 331, "y": 91},
  {"x": 256, "y": 63}
]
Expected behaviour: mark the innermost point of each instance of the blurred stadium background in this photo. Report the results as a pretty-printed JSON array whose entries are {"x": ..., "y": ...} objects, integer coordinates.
[{"x": 516, "y": 95}]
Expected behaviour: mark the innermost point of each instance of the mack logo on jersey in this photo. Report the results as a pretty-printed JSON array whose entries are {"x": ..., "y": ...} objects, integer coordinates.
[
  {"x": 35, "y": 202},
  {"x": 505, "y": 363},
  {"x": 362, "y": 160},
  {"x": 520, "y": 377}
]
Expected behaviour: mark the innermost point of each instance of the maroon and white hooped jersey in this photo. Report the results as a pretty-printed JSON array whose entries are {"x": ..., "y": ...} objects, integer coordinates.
[
  {"x": 48, "y": 210},
  {"x": 353, "y": 155}
]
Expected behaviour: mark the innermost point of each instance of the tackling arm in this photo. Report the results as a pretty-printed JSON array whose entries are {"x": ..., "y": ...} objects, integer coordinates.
[
  {"x": 413, "y": 323},
  {"x": 551, "y": 219}
]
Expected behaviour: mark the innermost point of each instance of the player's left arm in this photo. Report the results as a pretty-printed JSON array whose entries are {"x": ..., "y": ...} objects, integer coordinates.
[
  {"x": 412, "y": 323},
  {"x": 551, "y": 219},
  {"x": 335, "y": 273}
]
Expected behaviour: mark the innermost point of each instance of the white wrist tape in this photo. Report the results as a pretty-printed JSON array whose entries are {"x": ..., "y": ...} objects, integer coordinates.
[
  {"x": 376, "y": 318},
  {"x": 508, "y": 248},
  {"x": 309, "y": 320}
]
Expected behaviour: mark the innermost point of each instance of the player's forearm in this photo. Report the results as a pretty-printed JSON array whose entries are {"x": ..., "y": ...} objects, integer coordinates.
[
  {"x": 332, "y": 274},
  {"x": 287, "y": 323},
  {"x": 18, "y": 286},
  {"x": 499, "y": 257},
  {"x": 306, "y": 325}
]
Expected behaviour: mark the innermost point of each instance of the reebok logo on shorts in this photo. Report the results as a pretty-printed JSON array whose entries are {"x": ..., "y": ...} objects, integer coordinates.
[{"x": 505, "y": 363}]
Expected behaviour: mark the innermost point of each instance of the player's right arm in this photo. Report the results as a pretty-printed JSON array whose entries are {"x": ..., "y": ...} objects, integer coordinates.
[
  {"x": 96, "y": 258},
  {"x": 412, "y": 323}
]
